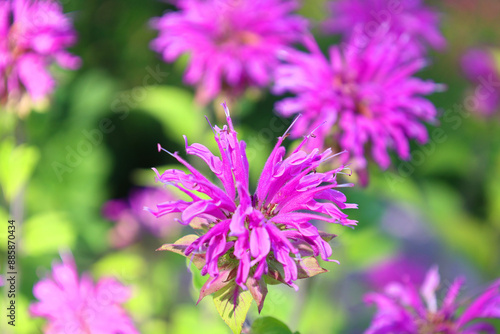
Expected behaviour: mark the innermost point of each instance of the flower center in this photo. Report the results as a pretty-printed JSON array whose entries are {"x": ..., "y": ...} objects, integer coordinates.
[{"x": 435, "y": 323}]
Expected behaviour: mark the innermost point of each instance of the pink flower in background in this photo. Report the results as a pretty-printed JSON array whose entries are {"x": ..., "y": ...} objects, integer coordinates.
[
  {"x": 268, "y": 233},
  {"x": 404, "y": 309},
  {"x": 368, "y": 97},
  {"x": 402, "y": 17},
  {"x": 398, "y": 269},
  {"x": 481, "y": 69},
  {"x": 131, "y": 218},
  {"x": 232, "y": 44},
  {"x": 74, "y": 305},
  {"x": 33, "y": 35}
]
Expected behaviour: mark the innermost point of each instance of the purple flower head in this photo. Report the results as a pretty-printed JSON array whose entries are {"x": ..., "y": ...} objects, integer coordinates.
[
  {"x": 404, "y": 309},
  {"x": 74, "y": 305},
  {"x": 131, "y": 218},
  {"x": 481, "y": 69},
  {"x": 33, "y": 35},
  {"x": 268, "y": 233},
  {"x": 400, "y": 17},
  {"x": 401, "y": 268},
  {"x": 368, "y": 97},
  {"x": 232, "y": 44}
]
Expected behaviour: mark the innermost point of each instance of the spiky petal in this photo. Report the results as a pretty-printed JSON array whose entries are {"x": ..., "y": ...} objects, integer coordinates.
[{"x": 267, "y": 233}]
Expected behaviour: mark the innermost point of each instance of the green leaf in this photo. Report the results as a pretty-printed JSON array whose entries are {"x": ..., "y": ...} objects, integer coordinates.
[
  {"x": 16, "y": 166},
  {"x": 176, "y": 110},
  {"x": 125, "y": 266},
  {"x": 233, "y": 304},
  {"x": 48, "y": 233},
  {"x": 269, "y": 325}
]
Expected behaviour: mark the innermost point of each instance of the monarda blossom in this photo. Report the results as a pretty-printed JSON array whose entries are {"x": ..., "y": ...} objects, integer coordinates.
[
  {"x": 481, "y": 69},
  {"x": 77, "y": 305},
  {"x": 396, "y": 17},
  {"x": 131, "y": 219},
  {"x": 367, "y": 97},
  {"x": 402, "y": 308},
  {"x": 33, "y": 36},
  {"x": 246, "y": 237},
  {"x": 232, "y": 44}
]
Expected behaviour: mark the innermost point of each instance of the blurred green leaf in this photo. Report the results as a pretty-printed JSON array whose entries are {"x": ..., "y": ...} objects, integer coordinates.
[
  {"x": 189, "y": 319},
  {"x": 269, "y": 325},
  {"x": 233, "y": 304},
  {"x": 493, "y": 192},
  {"x": 457, "y": 228},
  {"x": 176, "y": 110},
  {"x": 16, "y": 166},
  {"x": 91, "y": 95},
  {"x": 365, "y": 246},
  {"x": 127, "y": 266},
  {"x": 154, "y": 327},
  {"x": 48, "y": 233},
  {"x": 316, "y": 304}
]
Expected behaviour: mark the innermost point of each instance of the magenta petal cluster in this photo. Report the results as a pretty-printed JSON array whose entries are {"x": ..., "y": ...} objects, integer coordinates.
[
  {"x": 232, "y": 44},
  {"x": 131, "y": 219},
  {"x": 33, "y": 35},
  {"x": 367, "y": 96},
  {"x": 480, "y": 68},
  {"x": 397, "y": 17},
  {"x": 77, "y": 305},
  {"x": 268, "y": 233},
  {"x": 401, "y": 308}
]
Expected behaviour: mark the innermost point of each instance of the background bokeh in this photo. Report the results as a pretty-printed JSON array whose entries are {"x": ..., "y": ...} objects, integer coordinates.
[{"x": 442, "y": 207}]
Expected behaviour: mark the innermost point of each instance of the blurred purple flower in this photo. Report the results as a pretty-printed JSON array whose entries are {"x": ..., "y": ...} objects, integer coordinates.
[
  {"x": 397, "y": 269},
  {"x": 232, "y": 43},
  {"x": 368, "y": 97},
  {"x": 402, "y": 310},
  {"x": 268, "y": 233},
  {"x": 481, "y": 69},
  {"x": 131, "y": 218},
  {"x": 73, "y": 305},
  {"x": 406, "y": 17},
  {"x": 33, "y": 35}
]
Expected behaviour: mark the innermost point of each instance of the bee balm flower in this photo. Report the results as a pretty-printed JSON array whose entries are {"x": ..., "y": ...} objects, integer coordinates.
[
  {"x": 33, "y": 35},
  {"x": 231, "y": 44},
  {"x": 248, "y": 236},
  {"x": 409, "y": 17},
  {"x": 74, "y": 305},
  {"x": 480, "y": 67},
  {"x": 402, "y": 310},
  {"x": 367, "y": 96}
]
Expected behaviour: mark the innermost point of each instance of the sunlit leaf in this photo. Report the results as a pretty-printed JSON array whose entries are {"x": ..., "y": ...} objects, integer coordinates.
[{"x": 233, "y": 304}]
